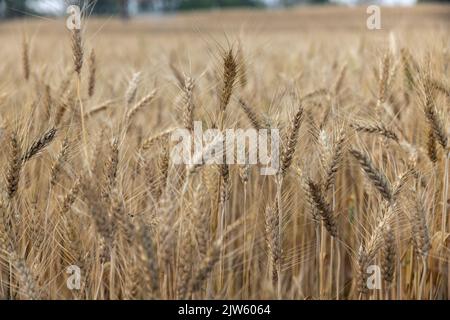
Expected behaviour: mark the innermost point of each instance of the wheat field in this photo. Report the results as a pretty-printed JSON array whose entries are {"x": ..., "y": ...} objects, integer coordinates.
[{"x": 87, "y": 178}]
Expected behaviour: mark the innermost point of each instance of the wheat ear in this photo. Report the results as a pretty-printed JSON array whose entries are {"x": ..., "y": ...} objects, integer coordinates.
[
  {"x": 230, "y": 70},
  {"x": 25, "y": 58},
  {"x": 323, "y": 208},
  {"x": 92, "y": 72},
  {"x": 39, "y": 144},
  {"x": 377, "y": 178}
]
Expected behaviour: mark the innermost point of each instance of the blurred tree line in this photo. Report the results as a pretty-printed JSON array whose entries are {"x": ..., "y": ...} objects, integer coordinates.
[
  {"x": 121, "y": 6},
  {"x": 12, "y": 8},
  {"x": 16, "y": 8}
]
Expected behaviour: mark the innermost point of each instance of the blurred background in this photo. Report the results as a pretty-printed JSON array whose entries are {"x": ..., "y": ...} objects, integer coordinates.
[{"x": 130, "y": 8}]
